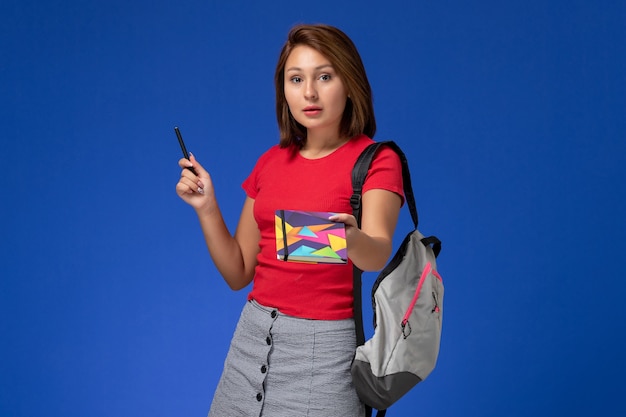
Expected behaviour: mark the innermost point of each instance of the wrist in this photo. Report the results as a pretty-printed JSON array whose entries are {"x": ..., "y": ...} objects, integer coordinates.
[{"x": 208, "y": 208}]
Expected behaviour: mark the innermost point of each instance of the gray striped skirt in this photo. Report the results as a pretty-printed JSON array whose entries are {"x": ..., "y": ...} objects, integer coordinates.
[{"x": 279, "y": 365}]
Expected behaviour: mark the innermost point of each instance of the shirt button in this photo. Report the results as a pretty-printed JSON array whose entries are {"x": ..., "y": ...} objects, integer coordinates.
[
  {"x": 259, "y": 397},
  {"x": 263, "y": 369},
  {"x": 268, "y": 340},
  {"x": 274, "y": 314}
]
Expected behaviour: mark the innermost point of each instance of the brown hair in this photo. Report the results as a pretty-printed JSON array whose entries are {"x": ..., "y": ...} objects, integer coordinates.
[{"x": 338, "y": 48}]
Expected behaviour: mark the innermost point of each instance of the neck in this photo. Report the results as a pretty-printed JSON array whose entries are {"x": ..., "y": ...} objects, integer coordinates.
[{"x": 318, "y": 146}]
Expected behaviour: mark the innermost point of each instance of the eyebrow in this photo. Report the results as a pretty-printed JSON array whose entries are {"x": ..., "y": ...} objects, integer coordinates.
[{"x": 316, "y": 68}]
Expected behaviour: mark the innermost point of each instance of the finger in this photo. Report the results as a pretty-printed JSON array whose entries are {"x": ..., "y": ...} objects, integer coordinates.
[
  {"x": 183, "y": 189},
  {"x": 345, "y": 218},
  {"x": 186, "y": 173},
  {"x": 338, "y": 217},
  {"x": 197, "y": 166},
  {"x": 189, "y": 185},
  {"x": 185, "y": 163}
]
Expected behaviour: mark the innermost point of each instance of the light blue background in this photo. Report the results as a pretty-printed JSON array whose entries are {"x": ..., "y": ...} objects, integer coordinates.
[{"x": 512, "y": 114}]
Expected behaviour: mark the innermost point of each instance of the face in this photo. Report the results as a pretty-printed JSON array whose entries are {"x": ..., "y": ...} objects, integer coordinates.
[{"x": 315, "y": 94}]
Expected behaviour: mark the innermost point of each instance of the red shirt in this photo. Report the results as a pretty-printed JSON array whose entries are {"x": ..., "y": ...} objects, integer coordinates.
[{"x": 283, "y": 179}]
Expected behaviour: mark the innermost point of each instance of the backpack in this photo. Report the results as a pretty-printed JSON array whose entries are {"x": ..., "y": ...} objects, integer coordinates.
[{"x": 407, "y": 299}]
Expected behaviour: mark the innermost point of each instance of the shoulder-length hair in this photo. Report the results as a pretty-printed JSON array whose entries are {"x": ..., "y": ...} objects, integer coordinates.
[{"x": 338, "y": 48}]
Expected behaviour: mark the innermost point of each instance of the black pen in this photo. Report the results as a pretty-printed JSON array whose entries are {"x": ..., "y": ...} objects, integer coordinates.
[{"x": 184, "y": 148}]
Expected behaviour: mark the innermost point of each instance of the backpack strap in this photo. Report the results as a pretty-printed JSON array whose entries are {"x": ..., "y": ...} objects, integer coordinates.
[
  {"x": 359, "y": 174},
  {"x": 433, "y": 242}
]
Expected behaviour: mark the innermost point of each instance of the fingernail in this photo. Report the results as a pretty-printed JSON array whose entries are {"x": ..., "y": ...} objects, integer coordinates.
[{"x": 200, "y": 190}]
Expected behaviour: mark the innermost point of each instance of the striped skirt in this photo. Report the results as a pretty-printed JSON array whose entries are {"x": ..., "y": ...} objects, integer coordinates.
[{"x": 279, "y": 365}]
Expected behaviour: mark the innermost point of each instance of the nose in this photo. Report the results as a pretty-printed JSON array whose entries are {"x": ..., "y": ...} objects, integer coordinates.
[{"x": 310, "y": 92}]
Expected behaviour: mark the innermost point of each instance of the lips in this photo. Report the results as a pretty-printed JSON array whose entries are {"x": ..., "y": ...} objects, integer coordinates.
[{"x": 312, "y": 110}]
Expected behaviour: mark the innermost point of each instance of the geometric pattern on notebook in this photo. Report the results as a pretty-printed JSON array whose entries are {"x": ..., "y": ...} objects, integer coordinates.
[{"x": 310, "y": 237}]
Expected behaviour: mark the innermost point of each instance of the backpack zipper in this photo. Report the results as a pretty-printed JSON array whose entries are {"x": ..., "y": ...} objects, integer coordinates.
[
  {"x": 436, "y": 308},
  {"x": 406, "y": 326},
  {"x": 435, "y": 304}
]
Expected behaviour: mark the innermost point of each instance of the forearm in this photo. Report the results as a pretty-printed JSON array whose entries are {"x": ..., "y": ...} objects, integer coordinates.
[
  {"x": 366, "y": 252},
  {"x": 234, "y": 256},
  {"x": 370, "y": 246}
]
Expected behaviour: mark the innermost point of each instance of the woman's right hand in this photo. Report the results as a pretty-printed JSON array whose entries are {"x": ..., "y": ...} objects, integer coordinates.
[{"x": 195, "y": 190}]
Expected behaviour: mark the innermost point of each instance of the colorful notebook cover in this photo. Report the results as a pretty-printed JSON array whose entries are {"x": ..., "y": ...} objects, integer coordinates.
[{"x": 308, "y": 236}]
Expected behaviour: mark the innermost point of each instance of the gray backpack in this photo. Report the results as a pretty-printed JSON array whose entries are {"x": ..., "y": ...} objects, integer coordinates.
[{"x": 407, "y": 298}]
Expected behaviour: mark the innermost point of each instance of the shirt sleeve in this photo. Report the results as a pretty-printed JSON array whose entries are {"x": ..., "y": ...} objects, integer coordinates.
[
  {"x": 385, "y": 173},
  {"x": 250, "y": 184}
]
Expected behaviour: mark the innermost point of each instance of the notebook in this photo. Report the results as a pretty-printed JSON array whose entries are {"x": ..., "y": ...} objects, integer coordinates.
[{"x": 308, "y": 236}]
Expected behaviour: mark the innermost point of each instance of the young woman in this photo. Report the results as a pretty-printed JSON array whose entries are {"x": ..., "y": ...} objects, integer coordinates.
[{"x": 295, "y": 340}]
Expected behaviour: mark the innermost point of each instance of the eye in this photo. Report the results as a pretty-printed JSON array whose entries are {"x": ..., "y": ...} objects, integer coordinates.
[
  {"x": 295, "y": 80},
  {"x": 325, "y": 77}
]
